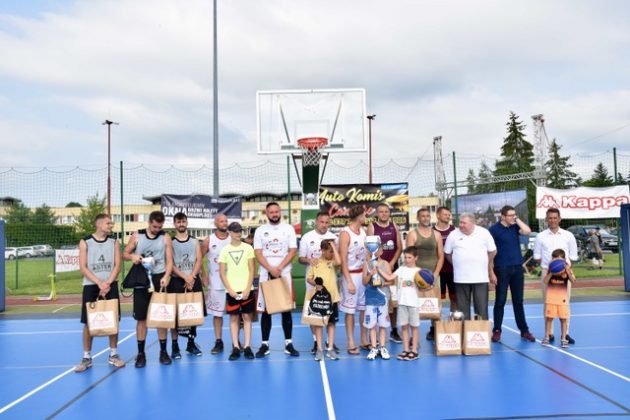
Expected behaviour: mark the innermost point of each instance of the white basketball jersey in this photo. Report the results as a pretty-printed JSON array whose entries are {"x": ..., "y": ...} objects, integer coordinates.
[
  {"x": 356, "y": 249},
  {"x": 310, "y": 245},
  {"x": 215, "y": 245}
]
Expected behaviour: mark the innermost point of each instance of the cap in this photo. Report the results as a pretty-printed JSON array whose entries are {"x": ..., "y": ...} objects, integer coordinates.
[{"x": 235, "y": 227}]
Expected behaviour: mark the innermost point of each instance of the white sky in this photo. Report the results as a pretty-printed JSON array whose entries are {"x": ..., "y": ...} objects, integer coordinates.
[{"x": 449, "y": 68}]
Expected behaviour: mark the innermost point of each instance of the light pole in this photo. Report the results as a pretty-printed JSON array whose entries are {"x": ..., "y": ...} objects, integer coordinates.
[
  {"x": 370, "y": 118},
  {"x": 109, "y": 123}
]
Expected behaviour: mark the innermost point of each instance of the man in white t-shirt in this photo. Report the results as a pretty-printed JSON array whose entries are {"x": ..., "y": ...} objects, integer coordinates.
[
  {"x": 275, "y": 245},
  {"x": 471, "y": 250},
  {"x": 212, "y": 247},
  {"x": 310, "y": 250}
]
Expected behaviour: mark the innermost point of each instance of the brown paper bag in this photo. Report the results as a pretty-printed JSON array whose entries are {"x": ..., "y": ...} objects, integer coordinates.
[
  {"x": 476, "y": 339},
  {"x": 430, "y": 306},
  {"x": 189, "y": 309},
  {"x": 102, "y": 317},
  {"x": 277, "y": 296},
  {"x": 309, "y": 318},
  {"x": 162, "y": 310},
  {"x": 448, "y": 338}
]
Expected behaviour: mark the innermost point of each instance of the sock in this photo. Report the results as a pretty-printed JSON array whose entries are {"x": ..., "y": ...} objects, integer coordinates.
[
  {"x": 287, "y": 342},
  {"x": 141, "y": 346},
  {"x": 162, "y": 345},
  {"x": 314, "y": 338},
  {"x": 175, "y": 345},
  {"x": 265, "y": 343},
  {"x": 87, "y": 355},
  {"x": 113, "y": 351}
]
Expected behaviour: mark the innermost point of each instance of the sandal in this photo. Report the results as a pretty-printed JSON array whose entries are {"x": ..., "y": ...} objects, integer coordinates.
[
  {"x": 402, "y": 355},
  {"x": 354, "y": 351},
  {"x": 366, "y": 347},
  {"x": 411, "y": 356}
]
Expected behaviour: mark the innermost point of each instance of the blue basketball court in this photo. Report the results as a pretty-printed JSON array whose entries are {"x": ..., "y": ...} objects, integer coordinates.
[{"x": 520, "y": 380}]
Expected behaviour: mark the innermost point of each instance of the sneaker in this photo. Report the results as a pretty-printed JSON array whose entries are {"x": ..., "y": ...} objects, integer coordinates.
[
  {"x": 372, "y": 354},
  {"x": 84, "y": 365},
  {"x": 551, "y": 338},
  {"x": 528, "y": 337},
  {"x": 384, "y": 353},
  {"x": 545, "y": 341},
  {"x": 319, "y": 355},
  {"x": 290, "y": 350},
  {"x": 236, "y": 353},
  {"x": 218, "y": 347},
  {"x": 165, "y": 359},
  {"x": 496, "y": 336},
  {"x": 141, "y": 360},
  {"x": 570, "y": 339},
  {"x": 192, "y": 349},
  {"x": 314, "y": 349},
  {"x": 335, "y": 348},
  {"x": 395, "y": 337},
  {"x": 249, "y": 354},
  {"x": 175, "y": 353},
  {"x": 331, "y": 354},
  {"x": 116, "y": 361},
  {"x": 262, "y": 351},
  {"x": 564, "y": 344},
  {"x": 430, "y": 335}
]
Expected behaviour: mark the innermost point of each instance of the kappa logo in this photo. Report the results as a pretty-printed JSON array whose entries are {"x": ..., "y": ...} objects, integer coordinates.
[
  {"x": 449, "y": 341},
  {"x": 428, "y": 306},
  {"x": 547, "y": 201},
  {"x": 236, "y": 256},
  {"x": 190, "y": 311},
  {"x": 162, "y": 313},
  {"x": 102, "y": 320},
  {"x": 477, "y": 340}
]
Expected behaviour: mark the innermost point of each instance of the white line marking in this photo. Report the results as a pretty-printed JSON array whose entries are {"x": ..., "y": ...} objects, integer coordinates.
[
  {"x": 54, "y": 332},
  {"x": 56, "y": 378},
  {"x": 327, "y": 394},
  {"x": 63, "y": 307},
  {"x": 578, "y": 315},
  {"x": 588, "y": 362}
]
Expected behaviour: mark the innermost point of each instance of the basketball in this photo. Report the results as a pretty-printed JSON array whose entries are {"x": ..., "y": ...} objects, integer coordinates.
[
  {"x": 424, "y": 278},
  {"x": 557, "y": 266}
]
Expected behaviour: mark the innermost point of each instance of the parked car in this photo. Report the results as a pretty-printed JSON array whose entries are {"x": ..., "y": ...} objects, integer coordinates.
[
  {"x": 44, "y": 250},
  {"x": 27, "y": 252},
  {"x": 609, "y": 241},
  {"x": 10, "y": 253}
]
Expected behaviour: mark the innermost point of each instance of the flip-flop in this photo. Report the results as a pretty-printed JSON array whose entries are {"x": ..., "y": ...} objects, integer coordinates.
[
  {"x": 354, "y": 351},
  {"x": 412, "y": 356},
  {"x": 402, "y": 355},
  {"x": 366, "y": 347}
]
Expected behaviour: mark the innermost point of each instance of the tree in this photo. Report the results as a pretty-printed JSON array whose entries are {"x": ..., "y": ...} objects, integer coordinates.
[
  {"x": 517, "y": 154},
  {"x": 470, "y": 182},
  {"x": 18, "y": 213},
  {"x": 485, "y": 173},
  {"x": 85, "y": 221},
  {"x": 600, "y": 177},
  {"x": 73, "y": 204},
  {"x": 43, "y": 215},
  {"x": 558, "y": 169}
]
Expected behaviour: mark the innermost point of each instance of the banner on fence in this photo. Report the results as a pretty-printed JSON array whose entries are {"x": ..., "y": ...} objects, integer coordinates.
[
  {"x": 66, "y": 260},
  {"x": 336, "y": 200},
  {"x": 200, "y": 209},
  {"x": 583, "y": 202},
  {"x": 487, "y": 207}
]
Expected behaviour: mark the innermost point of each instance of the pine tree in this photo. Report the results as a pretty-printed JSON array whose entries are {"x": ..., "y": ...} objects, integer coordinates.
[
  {"x": 600, "y": 177},
  {"x": 517, "y": 154},
  {"x": 558, "y": 168},
  {"x": 484, "y": 174},
  {"x": 470, "y": 182}
]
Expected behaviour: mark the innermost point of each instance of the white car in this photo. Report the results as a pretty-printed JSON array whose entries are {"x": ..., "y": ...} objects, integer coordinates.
[
  {"x": 27, "y": 252},
  {"x": 10, "y": 253}
]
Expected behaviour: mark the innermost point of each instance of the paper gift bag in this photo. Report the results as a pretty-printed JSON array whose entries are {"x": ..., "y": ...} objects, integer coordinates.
[
  {"x": 277, "y": 296},
  {"x": 162, "y": 310},
  {"x": 476, "y": 337},
  {"x": 102, "y": 317},
  {"x": 189, "y": 309},
  {"x": 430, "y": 303},
  {"x": 448, "y": 338},
  {"x": 308, "y": 316}
]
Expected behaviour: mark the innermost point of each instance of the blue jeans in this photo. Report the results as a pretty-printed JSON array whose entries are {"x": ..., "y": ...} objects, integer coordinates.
[{"x": 512, "y": 277}]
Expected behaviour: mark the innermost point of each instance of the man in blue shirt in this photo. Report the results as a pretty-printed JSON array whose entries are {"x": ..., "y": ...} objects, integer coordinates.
[{"x": 509, "y": 271}]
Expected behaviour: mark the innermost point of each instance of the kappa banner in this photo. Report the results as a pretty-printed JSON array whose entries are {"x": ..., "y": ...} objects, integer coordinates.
[
  {"x": 582, "y": 202},
  {"x": 200, "y": 209},
  {"x": 66, "y": 260},
  {"x": 336, "y": 200}
]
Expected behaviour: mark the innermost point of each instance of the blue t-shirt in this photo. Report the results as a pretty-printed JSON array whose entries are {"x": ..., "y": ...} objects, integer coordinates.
[
  {"x": 374, "y": 296},
  {"x": 508, "y": 246}
]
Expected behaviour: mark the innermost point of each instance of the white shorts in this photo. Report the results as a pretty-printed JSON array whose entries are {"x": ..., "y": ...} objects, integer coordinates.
[
  {"x": 376, "y": 315},
  {"x": 408, "y": 315},
  {"x": 216, "y": 302},
  {"x": 260, "y": 304},
  {"x": 350, "y": 303}
]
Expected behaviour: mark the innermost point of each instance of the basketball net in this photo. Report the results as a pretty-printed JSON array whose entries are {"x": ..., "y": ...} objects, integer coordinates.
[{"x": 312, "y": 150}]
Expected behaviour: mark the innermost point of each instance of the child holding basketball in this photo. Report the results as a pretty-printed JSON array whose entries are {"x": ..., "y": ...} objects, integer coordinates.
[
  {"x": 376, "y": 304},
  {"x": 407, "y": 278},
  {"x": 556, "y": 299},
  {"x": 324, "y": 268}
]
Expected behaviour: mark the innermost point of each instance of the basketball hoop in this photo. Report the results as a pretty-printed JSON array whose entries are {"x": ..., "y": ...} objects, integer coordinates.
[{"x": 312, "y": 149}]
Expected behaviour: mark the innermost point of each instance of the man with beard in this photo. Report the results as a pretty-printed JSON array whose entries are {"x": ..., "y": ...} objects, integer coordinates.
[
  {"x": 212, "y": 246},
  {"x": 275, "y": 245},
  {"x": 444, "y": 227}
]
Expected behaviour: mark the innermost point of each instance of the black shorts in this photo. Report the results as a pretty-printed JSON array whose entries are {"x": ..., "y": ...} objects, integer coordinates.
[
  {"x": 142, "y": 297},
  {"x": 90, "y": 294},
  {"x": 177, "y": 285},
  {"x": 446, "y": 280},
  {"x": 334, "y": 317},
  {"x": 235, "y": 306}
]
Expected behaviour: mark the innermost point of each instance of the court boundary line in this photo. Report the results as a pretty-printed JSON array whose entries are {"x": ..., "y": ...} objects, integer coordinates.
[
  {"x": 55, "y": 379},
  {"x": 542, "y": 416},
  {"x": 327, "y": 394}
]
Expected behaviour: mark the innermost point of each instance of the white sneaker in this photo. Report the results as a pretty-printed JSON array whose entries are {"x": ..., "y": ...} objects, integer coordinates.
[
  {"x": 384, "y": 353},
  {"x": 319, "y": 355},
  {"x": 373, "y": 353},
  {"x": 331, "y": 354}
]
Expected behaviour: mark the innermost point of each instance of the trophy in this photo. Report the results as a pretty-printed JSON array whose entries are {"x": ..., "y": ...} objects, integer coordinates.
[
  {"x": 148, "y": 263},
  {"x": 373, "y": 243}
]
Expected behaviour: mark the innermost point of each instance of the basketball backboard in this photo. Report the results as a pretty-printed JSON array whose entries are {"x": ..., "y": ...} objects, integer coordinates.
[{"x": 285, "y": 116}]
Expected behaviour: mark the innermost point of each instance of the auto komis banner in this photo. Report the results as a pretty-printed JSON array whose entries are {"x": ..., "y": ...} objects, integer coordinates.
[
  {"x": 200, "y": 209},
  {"x": 336, "y": 200},
  {"x": 583, "y": 202}
]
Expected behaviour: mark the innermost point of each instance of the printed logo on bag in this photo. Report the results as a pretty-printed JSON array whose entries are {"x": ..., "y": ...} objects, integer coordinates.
[
  {"x": 190, "y": 311},
  {"x": 101, "y": 320},
  {"x": 477, "y": 340},
  {"x": 429, "y": 306},
  {"x": 449, "y": 341},
  {"x": 162, "y": 312}
]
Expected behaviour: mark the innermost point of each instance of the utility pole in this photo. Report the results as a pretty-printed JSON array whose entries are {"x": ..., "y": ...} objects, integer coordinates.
[
  {"x": 109, "y": 123},
  {"x": 215, "y": 109},
  {"x": 370, "y": 118}
]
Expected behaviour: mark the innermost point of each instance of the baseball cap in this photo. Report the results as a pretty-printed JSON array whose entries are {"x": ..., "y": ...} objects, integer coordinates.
[{"x": 235, "y": 227}]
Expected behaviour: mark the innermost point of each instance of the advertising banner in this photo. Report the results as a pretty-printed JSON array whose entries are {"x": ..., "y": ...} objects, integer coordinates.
[
  {"x": 487, "y": 207},
  {"x": 582, "y": 202},
  {"x": 66, "y": 260},
  {"x": 200, "y": 209}
]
